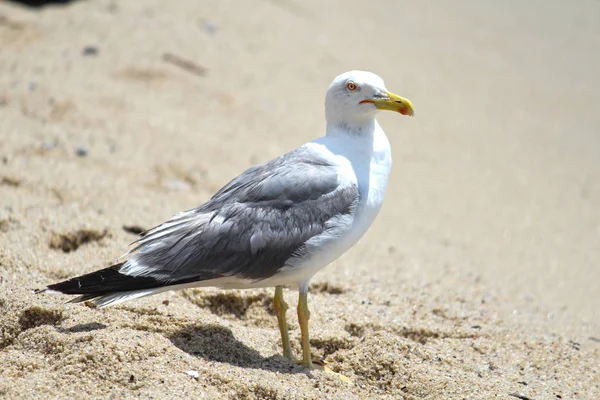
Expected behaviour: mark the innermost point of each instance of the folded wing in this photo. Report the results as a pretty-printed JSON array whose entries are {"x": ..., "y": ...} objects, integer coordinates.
[{"x": 248, "y": 229}]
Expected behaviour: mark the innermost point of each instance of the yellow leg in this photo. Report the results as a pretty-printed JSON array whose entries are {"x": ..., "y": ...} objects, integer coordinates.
[
  {"x": 280, "y": 309},
  {"x": 303, "y": 317}
]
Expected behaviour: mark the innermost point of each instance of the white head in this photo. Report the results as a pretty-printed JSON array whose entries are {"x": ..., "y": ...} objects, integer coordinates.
[{"x": 356, "y": 96}]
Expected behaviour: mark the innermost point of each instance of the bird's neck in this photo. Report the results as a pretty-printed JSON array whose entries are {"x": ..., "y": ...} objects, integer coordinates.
[
  {"x": 359, "y": 140},
  {"x": 358, "y": 129}
]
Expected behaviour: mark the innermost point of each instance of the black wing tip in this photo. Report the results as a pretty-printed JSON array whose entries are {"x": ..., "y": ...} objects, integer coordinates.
[
  {"x": 96, "y": 283},
  {"x": 68, "y": 286},
  {"x": 104, "y": 281},
  {"x": 79, "y": 299},
  {"x": 63, "y": 287},
  {"x": 110, "y": 280}
]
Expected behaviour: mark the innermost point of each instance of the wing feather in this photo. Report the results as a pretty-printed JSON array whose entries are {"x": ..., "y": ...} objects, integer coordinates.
[{"x": 249, "y": 228}]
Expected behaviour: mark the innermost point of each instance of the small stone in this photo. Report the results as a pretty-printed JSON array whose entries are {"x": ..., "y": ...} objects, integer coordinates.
[
  {"x": 81, "y": 151},
  {"x": 193, "y": 374},
  {"x": 89, "y": 51},
  {"x": 134, "y": 229}
]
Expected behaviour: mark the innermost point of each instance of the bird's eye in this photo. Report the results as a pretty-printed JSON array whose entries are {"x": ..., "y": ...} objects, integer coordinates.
[{"x": 351, "y": 86}]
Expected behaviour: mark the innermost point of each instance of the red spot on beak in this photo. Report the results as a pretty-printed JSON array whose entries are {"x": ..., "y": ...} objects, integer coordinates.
[{"x": 403, "y": 111}]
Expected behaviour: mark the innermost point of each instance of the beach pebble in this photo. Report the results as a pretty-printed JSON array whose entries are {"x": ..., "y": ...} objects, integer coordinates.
[
  {"x": 90, "y": 51},
  {"x": 193, "y": 374},
  {"x": 81, "y": 151}
]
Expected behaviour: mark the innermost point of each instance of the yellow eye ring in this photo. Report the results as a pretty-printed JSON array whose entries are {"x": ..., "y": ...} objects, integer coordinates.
[{"x": 351, "y": 86}]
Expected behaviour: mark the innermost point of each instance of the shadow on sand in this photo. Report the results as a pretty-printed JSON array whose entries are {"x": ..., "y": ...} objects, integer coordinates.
[
  {"x": 216, "y": 343},
  {"x": 89, "y": 327}
]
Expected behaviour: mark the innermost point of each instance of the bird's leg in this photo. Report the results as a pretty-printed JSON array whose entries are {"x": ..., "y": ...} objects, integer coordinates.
[
  {"x": 280, "y": 309},
  {"x": 303, "y": 317}
]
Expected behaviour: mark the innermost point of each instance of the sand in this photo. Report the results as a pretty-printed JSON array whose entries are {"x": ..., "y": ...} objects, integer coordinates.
[{"x": 479, "y": 280}]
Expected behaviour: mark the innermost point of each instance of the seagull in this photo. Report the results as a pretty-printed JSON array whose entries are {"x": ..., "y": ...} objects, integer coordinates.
[{"x": 276, "y": 224}]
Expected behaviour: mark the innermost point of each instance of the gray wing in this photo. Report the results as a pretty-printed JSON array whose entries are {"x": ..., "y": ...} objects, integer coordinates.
[{"x": 250, "y": 227}]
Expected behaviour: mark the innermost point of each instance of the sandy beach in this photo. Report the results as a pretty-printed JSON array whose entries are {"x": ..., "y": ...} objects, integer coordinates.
[{"x": 480, "y": 279}]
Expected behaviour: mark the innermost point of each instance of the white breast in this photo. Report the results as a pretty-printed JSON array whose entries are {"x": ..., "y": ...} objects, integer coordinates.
[
  {"x": 372, "y": 179},
  {"x": 364, "y": 161}
]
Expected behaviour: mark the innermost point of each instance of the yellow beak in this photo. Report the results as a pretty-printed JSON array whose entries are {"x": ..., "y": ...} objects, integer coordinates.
[{"x": 392, "y": 102}]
